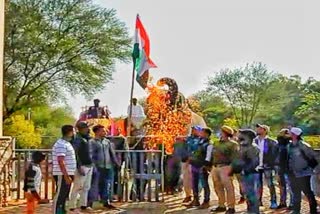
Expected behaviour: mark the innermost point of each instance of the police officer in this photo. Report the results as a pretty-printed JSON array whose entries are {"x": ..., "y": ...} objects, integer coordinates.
[{"x": 224, "y": 154}]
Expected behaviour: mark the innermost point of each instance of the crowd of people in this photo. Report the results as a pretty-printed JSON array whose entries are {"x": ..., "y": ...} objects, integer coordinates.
[
  {"x": 86, "y": 167},
  {"x": 253, "y": 158}
]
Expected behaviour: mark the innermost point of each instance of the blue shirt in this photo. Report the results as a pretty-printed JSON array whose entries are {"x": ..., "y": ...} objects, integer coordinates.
[
  {"x": 192, "y": 143},
  {"x": 103, "y": 154}
]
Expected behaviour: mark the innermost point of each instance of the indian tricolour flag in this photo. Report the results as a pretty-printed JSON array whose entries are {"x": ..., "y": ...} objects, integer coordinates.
[{"x": 141, "y": 54}]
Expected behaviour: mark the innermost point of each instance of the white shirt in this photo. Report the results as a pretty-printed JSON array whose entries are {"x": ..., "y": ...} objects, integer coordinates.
[
  {"x": 261, "y": 148},
  {"x": 137, "y": 111},
  {"x": 209, "y": 152},
  {"x": 37, "y": 177},
  {"x": 65, "y": 149}
]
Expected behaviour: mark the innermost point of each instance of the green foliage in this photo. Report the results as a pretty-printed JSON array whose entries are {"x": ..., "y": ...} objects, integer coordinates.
[
  {"x": 231, "y": 122},
  {"x": 24, "y": 131},
  {"x": 50, "y": 120},
  {"x": 314, "y": 141},
  {"x": 58, "y": 46},
  {"x": 243, "y": 89},
  {"x": 308, "y": 111},
  {"x": 213, "y": 108},
  {"x": 254, "y": 95}
]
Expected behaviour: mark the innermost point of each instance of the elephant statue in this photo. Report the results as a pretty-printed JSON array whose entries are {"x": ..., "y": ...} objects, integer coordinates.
[
  {"x": 168, "y": 114},
  {"x": 178, "y": 101}
]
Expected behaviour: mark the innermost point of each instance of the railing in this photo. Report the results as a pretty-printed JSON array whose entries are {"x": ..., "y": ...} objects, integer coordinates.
[
  {"x": 140, "y": 169},
  {"x": 141, "y": 172}
]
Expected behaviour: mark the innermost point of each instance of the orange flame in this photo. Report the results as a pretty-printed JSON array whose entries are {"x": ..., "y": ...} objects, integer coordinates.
[{"x": 163, "y": 121}]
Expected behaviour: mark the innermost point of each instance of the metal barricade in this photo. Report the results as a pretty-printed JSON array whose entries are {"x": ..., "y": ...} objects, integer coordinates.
[{"x": 141, "y": 173}]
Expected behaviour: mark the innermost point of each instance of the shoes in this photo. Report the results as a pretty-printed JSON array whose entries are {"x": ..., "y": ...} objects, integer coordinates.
[
  {"x": 187, "y": 200},
  {"x": 231, "y": 211},
  {"x": 273, "y": 205},
  {"x": 290, "y": 207},
  {"x": 219, "y": 209},
  {"x": 86, "y": 209},
  {"x": 109, "y": 206},
  {"x": 281, "y": 206},
  {"x": 204, "y": 205},
  {"x": 194, "y": 203},
  {"x": 242, "y": 200}
]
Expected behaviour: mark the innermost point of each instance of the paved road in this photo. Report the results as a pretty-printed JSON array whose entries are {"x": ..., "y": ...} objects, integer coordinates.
[{"x": 172, "y": 204}]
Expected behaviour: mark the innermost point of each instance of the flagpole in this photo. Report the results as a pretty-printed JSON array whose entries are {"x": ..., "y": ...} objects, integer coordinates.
[
  {"x": 131, "y": 96},
  {"x": 134, "y": 59}
]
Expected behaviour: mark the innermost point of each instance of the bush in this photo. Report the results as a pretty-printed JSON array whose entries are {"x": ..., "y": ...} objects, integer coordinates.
[
  {"x": 313, "y": 140},
  {"x": 23, "y": 130}
]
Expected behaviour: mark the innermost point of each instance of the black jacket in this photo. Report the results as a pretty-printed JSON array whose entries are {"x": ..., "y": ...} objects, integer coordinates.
[
  {"x": 270, "y": 153},
  {"x": 83, "y": 150},
  {"x": 282, "y": 160}
]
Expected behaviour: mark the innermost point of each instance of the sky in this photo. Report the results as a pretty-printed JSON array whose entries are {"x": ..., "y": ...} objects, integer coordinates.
[{"x": 191, "y": 40}]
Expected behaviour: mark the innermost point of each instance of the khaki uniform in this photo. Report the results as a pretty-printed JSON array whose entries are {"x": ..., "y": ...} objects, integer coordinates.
[
  {"x": 187, "y": 179},
  {"x": 224, "y": 154}
]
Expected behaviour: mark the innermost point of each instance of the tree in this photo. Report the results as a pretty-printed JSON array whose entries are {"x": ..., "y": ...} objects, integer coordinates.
[
  {"x": 308, "y": 111},
  {"x": 282, "y": 100},
  {"x": 213, "y": 108},
  {"x": 50, "y": 120},
  {"x": 243, "y": 89},
  {"x": 58, "y": 46},
  {"x": 23, "y": 130}
]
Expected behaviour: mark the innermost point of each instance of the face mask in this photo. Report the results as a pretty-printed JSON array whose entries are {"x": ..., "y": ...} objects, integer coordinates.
[{"x": 218, "y": 135}]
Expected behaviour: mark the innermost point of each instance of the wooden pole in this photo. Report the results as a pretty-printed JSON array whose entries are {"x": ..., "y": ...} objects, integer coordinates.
[{"x": 2, "y": 23}]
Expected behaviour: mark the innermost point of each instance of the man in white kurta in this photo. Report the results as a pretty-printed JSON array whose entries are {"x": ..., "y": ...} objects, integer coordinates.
[{"x": 138, "y": 115}]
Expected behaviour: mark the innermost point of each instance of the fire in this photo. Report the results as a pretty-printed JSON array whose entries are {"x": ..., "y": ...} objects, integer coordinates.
[{"x": 163, "y": 120}]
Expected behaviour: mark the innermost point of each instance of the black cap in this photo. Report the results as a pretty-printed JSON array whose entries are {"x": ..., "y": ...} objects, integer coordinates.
[
  {"x": 82, "y": 125},
  {"x": 249, "y": 132},
  {"x": 96, "y": 100}
]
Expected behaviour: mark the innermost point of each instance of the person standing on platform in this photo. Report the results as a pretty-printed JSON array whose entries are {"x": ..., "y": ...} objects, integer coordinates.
[{"x": 137, "y": 115}]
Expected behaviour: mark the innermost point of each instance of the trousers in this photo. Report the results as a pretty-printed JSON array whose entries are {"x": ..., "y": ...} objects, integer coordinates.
[
  {"x": 31, "y": 203},
  {"x": 197, "y": 173},
  {"x": 61, "y": 196},
  {"x": 81, "y": 185},
  {"x": 223, "y": 185},
  {"x": 105, "y": 184},
  {"x": 187, "y": 178},
  {"x": 268, "y": 174},
  {"x": 302, "y": 184},
  {"x": 285, "y": 187},
  {"x": 250, "y": 187}
]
